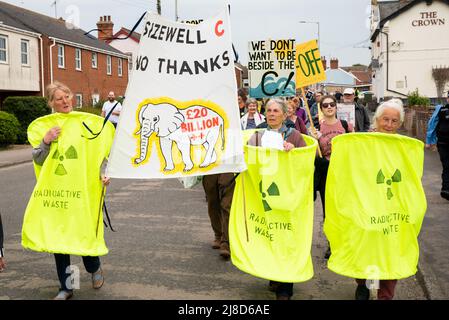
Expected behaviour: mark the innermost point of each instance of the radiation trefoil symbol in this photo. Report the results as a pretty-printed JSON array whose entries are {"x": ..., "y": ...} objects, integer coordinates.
[
  {"x": 70, "y": 154},
  {"x": 397, "y": 177},
  {"x": 272, "y": 191}
]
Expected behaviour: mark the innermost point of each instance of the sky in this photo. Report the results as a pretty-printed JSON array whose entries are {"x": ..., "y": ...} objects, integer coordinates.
[{"x": 342, "y": 25}]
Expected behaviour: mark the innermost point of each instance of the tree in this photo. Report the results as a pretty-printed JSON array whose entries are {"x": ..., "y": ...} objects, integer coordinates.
[{"x": 441, "y": 77}]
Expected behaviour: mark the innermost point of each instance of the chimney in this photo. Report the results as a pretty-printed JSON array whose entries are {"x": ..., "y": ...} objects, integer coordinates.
[
  {"x": 334, "y": 63},
  {"x": 105, "y": 28},
  {"x": 324, "y": 61}
]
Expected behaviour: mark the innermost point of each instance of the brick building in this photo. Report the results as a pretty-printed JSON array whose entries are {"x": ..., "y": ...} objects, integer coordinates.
[{"x": 58, "y": 51}]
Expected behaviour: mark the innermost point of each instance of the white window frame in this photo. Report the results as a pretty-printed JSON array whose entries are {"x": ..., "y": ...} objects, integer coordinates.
[
  {"x": 61, "y": 56},
  {"x": 5, "y": 50},
  {"x": 78, "y": 59},
  {"x": 94, "y": 60},
  {"x": 109, "y": 65},
  {"x": 79, "y": 100},
  {"x": 120, "y": 67},
  {"x": 25, "y": 54}
]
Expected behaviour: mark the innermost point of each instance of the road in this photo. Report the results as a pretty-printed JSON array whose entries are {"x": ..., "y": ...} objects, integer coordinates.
[{"x": 161, "y": 250}]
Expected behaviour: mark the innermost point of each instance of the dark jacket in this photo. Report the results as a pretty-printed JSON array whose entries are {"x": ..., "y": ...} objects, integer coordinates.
[{"x": 362, "y": 122}]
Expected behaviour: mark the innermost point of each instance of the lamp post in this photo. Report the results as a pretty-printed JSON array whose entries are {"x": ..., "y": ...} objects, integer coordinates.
[{"x": 318, "y": 24}]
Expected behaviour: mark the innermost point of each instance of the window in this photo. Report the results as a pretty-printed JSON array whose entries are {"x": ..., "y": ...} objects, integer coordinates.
[
  {"x": 61, "y": 57},
  {"x": 94, "y": 60},
  {"x": 109, "y": 65},
  {"x": 78, "y": 59},
  {"x": 95, "y": 98},
  {"x": 120, "y": 67},
  {"x": 25, "y": 52},
  {"x": 3, "y": 49},
  {"x": 79, "y": 100}
]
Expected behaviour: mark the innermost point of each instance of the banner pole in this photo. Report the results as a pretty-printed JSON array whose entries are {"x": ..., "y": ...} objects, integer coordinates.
[{"x": 306, "y": 104}]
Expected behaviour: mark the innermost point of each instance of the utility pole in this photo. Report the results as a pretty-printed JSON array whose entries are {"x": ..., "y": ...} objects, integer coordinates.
[
  {"x": 159, "y": 11},
  {"x": 176, "y": 10}
]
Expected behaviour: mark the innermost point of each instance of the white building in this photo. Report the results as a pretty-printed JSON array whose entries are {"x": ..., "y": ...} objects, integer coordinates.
[
  {"x": 409, "y": 39},
  {"x": 19, "y": 61}
]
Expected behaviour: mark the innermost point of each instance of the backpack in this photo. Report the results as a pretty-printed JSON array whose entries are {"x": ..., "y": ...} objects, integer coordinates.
[{"x": 344, "y": 123}]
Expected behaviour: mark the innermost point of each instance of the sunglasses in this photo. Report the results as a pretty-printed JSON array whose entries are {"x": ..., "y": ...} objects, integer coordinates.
[{"x": 327, "y": 105}]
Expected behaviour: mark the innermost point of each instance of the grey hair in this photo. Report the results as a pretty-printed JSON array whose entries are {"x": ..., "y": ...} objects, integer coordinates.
[
  {"x": 395, "y": 104},
  {"x": 251, "y": 100},
  {"x": 53, "y": 87},
  {"x": 281, "y": 102}
]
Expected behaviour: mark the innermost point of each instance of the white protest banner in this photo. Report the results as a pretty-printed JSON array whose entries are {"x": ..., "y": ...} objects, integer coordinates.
[
  {"x": 346, "y": 112},
  {"x": 271, "y": 67},
  {"x": 180, "y": 116}
]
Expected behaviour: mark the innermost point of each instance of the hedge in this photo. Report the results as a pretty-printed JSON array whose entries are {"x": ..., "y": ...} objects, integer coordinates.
[
  {"x": 26, "y": 110},
  {"x": 9, "y": 129}
]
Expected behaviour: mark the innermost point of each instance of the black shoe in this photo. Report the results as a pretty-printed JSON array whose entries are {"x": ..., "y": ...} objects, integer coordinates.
[
  {"x": 445, "y": 194},
  {"x": 328, "y": 253},
  {"x": 273, "y": 286},
  {"x": 362, "y": 292}
]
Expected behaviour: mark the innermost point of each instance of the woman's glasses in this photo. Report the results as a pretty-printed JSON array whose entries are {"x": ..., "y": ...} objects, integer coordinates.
[{"x": 327, "y": 105}]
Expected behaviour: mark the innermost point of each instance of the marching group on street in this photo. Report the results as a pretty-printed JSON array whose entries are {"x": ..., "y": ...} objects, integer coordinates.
[{"x": 289, "y": 117}]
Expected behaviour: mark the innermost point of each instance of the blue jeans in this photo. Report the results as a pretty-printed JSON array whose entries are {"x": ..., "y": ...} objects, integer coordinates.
[{"x": 92, "y": 264}]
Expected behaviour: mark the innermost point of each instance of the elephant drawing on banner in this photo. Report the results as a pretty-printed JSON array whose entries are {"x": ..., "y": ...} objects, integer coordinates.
[{"x": 170, "y": 125}]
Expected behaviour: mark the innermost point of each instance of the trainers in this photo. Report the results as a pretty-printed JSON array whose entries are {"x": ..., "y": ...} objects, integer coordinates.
[
  {"x": 273, "y": 285},
  {"x": 224, "y": 250},
  {"x": 216, "y": 244},
  {"x": 445, "y": 194},
  {"x": 97, "y": 279},
  {"x": 362, "y": 292},
  {"x": 63, "y": 295}
]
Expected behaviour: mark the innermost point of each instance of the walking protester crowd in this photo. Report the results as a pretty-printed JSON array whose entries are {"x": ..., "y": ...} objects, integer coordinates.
[{"x": 286, "y": 118}]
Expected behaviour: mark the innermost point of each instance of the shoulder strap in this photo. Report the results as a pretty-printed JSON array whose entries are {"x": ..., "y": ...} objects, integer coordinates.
[{"x": 344, "y": 123}]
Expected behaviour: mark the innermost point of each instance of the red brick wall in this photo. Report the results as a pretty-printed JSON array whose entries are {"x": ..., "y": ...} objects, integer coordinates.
[{"x": 88, "y": 81}]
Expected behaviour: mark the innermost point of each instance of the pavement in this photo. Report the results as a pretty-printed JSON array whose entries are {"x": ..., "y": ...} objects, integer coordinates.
[{"x": 432, "y": 278}]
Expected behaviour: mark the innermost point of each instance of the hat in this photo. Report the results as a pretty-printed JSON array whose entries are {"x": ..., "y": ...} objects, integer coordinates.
[{"x": 349, "y": 91}]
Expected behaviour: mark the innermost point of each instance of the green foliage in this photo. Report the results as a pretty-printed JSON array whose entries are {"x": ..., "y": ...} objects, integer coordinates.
[
  {"x": 93, "y": 110},
  {"x": 414, "y": 99},
  {"x": 9, "y": 129},
  {"x": 26, "y": 110}
]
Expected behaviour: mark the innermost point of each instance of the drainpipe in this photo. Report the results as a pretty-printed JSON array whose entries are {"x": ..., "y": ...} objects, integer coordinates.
[
  {"x": 51, "y": 60},
  {"x": 388, "y": 66},
  {"x": 42, "y": 65}
]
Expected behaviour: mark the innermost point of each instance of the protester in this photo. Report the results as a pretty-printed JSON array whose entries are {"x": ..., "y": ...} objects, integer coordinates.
[
  {"x": 2, "y": 256},
  {"x": 242, "y": 97},
  {"x": 315, "y": 107},
  {"x": 438, "y": 134},
  {"x": 276, "y": 115},
  {"x": 387, "y": 119},
  {"x": 107, "y": 107},
  {"x": 252, "y": 118},
  {"x": 328, "y": 128},
  {"x": 219, "y": 190},
  {"x": 291, "y": 115},
  {"x": 310, "y": 97},
  {"x": 299, "y": 110},
  {"x": 362, "y": 122},
  {"x": 36, "y": 223},
  {"x": 338, "y": 96}
]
